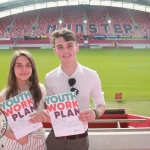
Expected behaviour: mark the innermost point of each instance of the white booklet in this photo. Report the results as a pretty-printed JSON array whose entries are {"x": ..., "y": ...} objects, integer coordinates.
[
  {"x": 17, "y": 110},
  {"x": 63, "y": 110}
]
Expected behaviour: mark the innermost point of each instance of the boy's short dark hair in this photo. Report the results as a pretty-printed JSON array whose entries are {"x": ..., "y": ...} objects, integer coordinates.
[{"x": 67, "y": 34}]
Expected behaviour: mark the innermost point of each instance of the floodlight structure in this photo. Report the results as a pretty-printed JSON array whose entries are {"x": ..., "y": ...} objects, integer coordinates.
[
  {"x": 60, "y": 21},
  {"x": 85, "y": 20},
  {"x": 109, "y": 21}
]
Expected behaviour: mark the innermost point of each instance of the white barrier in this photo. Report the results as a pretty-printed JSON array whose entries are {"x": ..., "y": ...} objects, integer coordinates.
[
  {"x": 5, "y": 46},
  {"x": 139, "y": 47},
  {"x": 95, "y": 46},
  {"x": 117, "y": 139},
  {"x": 110, "y": 140}
]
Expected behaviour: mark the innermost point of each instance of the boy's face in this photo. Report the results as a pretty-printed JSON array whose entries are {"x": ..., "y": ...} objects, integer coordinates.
[{"x": 65, "y": 50}]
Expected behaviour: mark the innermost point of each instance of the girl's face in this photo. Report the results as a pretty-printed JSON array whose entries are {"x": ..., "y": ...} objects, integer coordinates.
[{"x": 22, "y": 68}]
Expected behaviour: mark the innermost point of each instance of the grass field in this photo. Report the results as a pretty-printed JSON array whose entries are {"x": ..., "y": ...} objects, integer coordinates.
[{"x": 121, "y": 71}]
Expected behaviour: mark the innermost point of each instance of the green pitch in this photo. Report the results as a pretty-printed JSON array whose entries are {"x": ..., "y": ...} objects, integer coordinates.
[{"x": 125, "y": 71}]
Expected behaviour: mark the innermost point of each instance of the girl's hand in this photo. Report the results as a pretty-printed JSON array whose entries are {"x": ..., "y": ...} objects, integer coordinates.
[
  {"x": 45, "y": 116},
  {"x": 36, "y": 118}
]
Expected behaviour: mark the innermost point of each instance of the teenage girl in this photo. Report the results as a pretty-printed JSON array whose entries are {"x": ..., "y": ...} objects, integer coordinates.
[{"x": 23, "y": 76}]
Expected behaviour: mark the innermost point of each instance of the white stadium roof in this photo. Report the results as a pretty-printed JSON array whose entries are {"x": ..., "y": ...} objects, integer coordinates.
[{"x": 9, "y": 7}]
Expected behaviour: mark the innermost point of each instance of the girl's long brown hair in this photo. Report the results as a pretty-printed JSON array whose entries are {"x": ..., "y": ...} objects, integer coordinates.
[{"x": 12, "y": 89}]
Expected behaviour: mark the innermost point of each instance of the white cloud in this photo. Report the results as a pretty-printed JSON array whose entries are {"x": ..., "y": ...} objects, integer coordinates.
[{"x": 3, "y": 1}]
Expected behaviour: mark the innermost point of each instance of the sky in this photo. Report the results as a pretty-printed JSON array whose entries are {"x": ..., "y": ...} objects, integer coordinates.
[{"x": 3, "y": 1}]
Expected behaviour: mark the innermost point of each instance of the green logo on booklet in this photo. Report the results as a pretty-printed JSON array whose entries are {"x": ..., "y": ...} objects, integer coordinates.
[{"x": 3, "y": 123}]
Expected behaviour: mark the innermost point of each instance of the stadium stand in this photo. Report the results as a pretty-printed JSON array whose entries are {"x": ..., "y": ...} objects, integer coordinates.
[
  {"x": 22, "y": 24},
  {"x": 4, "y": 25},
  {"x": 97, "y": 17},
  {"x": 142, "y": 19},
  {"x": 120, "y": 17},
  {"x": 47, "y": 17},
  {"x": 72, "y": 15},
  {"x": 130, "y": 26}
]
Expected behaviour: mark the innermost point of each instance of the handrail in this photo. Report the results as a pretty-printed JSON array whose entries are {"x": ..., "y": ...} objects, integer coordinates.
[
  {"x": 147, "y": 129},
  {"x": 117, "y": 120}
]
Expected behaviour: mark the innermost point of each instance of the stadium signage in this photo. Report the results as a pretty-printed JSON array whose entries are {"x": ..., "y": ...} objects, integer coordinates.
[
  {"x": 99, "y": 36},
  {"x": 112, "y": 36},
  {"x": 94, "y": 28},
  {"x": 136, "y": 37},
  {"x": 125, "y": 36}
]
